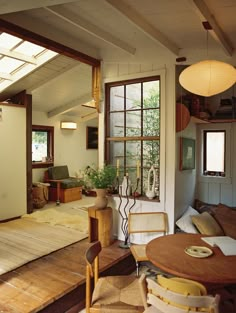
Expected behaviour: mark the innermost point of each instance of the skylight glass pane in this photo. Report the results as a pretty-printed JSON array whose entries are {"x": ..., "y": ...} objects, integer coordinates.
[
  {"x": 8, "y": 65},
  {"x": 8, "y": 41},
  {"x": 29, "y": 49}
]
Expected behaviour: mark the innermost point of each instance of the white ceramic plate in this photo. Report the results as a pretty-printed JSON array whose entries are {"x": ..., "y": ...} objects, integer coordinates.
[{"x": 198, "y": 252}]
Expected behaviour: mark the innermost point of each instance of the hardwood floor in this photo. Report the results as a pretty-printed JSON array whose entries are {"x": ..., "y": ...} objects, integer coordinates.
[{"x": 56, "y": 283}]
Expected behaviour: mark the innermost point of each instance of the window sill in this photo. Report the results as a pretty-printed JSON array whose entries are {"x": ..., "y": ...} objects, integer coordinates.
[
  {"x": 215, "y": 179},
  {"x": 141, "y": 198},
  {"x": 41, "y": 164}
]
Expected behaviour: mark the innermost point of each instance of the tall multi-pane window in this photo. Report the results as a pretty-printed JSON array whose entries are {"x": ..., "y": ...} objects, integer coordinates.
[
  {"x": 133, "y": 129},
  {"x": 214, "y": 153}
]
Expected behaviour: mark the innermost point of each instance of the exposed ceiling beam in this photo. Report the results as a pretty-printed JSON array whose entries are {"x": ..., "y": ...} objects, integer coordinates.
[
  {"x": 23, "y": 5},
  {"x": 205, "y": 14},
  {"x": 144, "y": 26},
  {"x": 69, "y": 106},
  {"x": 18, "y": 56},
  {"x": 6, "y": 76},
  {"x": 91, "y": 28},
  {"x": 88, "y": 117}
]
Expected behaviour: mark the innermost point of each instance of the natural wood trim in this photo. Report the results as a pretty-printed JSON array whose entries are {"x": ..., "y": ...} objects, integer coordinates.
[
  {"x": 30, "y": 36},
  {"x": 96, "y": 81},
  {"x": 132, "y": 138}
]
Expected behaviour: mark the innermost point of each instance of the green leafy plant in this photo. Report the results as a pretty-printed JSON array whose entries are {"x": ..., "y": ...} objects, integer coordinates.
[{"x": 101, "y": 178}]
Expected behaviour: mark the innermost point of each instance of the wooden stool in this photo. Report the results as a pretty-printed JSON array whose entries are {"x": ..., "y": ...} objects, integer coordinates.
[{"x": 100, "y": 225}]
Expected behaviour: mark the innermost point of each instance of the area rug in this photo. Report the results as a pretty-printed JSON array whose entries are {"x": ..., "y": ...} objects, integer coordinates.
[{"x": 31, "y": 237}]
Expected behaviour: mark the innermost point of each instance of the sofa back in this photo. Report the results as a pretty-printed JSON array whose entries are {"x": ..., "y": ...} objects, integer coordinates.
[{"x": 58, "y": 172}]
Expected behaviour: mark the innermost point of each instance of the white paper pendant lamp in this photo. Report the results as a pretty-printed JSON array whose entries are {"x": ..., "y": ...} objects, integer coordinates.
[{"x": 208, "y": 78}]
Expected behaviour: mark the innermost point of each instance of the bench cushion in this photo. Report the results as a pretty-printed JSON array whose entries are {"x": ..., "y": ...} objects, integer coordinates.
[{"x": 58, "y": 172}]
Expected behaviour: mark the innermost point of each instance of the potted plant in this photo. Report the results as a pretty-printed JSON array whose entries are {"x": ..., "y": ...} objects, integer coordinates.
[{"x": 101, "y": 179}]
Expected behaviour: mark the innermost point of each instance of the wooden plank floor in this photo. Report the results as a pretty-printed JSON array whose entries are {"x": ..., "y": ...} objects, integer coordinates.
[{"x": 56, "y": 283}]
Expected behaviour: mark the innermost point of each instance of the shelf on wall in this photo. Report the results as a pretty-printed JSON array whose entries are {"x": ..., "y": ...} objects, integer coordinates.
[{"x": 198, "y": 120}]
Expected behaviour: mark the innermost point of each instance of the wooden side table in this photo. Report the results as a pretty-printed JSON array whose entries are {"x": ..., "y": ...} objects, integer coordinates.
[{"x": 100, "y": 225}]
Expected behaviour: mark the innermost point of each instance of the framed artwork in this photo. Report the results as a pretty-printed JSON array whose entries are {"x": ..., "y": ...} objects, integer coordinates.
[
  {"x": 92, "y": 138},
  {"x": 187, "y": 154}
]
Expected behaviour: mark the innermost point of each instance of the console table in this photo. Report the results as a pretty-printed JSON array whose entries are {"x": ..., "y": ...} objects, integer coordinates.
[{"x": 100, "y": 225}]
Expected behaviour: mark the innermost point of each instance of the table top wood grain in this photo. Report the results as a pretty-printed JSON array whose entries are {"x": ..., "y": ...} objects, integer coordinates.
[{"x": 167, "y": 253}]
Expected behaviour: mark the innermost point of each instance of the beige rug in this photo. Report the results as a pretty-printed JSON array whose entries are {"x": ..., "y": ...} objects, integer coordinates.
[{"x": 34, "y": 236}]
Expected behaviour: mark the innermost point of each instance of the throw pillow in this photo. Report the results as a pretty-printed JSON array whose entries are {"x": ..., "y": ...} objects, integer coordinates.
[
  {"x": 207, "y": 225},
  {"x": 226, "y": 217},
  {"x": 185, "y": 222}
]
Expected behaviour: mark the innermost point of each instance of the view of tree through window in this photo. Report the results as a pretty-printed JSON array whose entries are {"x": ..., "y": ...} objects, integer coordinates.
[
  {"x": 42, "y": 145},
  {"x": 133, "y": 128}
]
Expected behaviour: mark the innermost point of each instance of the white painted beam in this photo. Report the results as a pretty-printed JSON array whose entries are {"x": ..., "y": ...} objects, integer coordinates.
[
  {"x": 7, "y": 6},
  {"x": 144, "y": 26},
  {"x": 69, "y": 106},
  {"x": 205, "y": 14},
  {"x": 18, "y": 56},
  {"x": 91, "y": 29},
  {"x": 88, "y": 117},
  {"x": 6, "y": 76}
]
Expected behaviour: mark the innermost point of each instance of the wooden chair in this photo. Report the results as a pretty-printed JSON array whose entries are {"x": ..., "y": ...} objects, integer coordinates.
[
  {"x": 162, "y": 300},
  {"x": 148, "y": 222},
  {"x": 110, "y": 294}
]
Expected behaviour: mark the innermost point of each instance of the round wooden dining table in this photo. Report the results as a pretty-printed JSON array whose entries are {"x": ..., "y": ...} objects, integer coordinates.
[{"x": 168, "y": 254}]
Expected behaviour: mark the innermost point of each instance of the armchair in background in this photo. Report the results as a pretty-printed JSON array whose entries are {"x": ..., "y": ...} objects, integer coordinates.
[{"x": 63, "y": 188}]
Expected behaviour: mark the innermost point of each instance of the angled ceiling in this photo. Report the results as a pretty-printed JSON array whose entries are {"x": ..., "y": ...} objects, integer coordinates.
[{"x": 130, "y": 31}]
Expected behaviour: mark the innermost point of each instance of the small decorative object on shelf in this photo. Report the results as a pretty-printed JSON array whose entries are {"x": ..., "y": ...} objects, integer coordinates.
[{"x": 150, "y": 193}]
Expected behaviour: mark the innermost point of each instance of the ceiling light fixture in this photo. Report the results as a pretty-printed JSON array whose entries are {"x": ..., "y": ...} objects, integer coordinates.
[
  {"x": 208, "y": 77},
  {"x": 68, "y": 125}
]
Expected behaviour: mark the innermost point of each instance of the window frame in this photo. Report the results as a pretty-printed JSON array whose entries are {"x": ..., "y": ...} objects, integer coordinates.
[
  {"x": 200, "y": 146},
  {"x": 50, "y": 145},
  {"x": 212, "y": 173},
  {"x": 108, "y": 138}
]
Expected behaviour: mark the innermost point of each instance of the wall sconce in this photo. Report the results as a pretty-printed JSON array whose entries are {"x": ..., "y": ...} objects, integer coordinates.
[{"x": 68, "y": 125}]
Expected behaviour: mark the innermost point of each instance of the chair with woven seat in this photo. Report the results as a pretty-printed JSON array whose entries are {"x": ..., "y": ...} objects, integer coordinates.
[
  {"x": 163, "y": 300},
  {"x": 149, "y": 223},
  {"x": 110, "y": 294}
]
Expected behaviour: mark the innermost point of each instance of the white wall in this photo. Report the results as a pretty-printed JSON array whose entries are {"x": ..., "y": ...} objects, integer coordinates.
[
  {"x": 185, "y": 181},
  {"x": 69, "y": 145},
  {"x": 13, "y": 200},
  {"x": 116, "y": 72}
]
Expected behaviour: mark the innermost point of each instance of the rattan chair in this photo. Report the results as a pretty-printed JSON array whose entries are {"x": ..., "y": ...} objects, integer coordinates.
[
  {"x": 110, "y": 294},
  {"x": 148, "y": 222},
  {"x": 162, "y": 300}
]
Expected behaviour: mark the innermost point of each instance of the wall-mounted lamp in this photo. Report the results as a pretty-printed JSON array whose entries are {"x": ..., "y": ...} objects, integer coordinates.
[{"x": 68, "y": 125}]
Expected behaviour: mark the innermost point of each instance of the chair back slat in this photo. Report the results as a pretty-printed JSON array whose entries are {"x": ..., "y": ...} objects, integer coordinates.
[
  {"x": 169, "y": 301},
  {"x": 147, "y": 222}
]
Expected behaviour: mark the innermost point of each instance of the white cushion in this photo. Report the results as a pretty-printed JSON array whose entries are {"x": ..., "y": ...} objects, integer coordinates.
[{"x": 185, "y": 222}]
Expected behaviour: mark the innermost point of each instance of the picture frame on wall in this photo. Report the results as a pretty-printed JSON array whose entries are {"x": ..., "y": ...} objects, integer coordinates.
[
  {"x": 187, "y": 154},
  {"x": 92, "y": 137}
]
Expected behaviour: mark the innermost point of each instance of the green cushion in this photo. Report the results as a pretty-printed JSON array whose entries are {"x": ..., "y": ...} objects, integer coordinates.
[
  {"x": 58, "y": 172},
  {"x": 67, "y": 183}
]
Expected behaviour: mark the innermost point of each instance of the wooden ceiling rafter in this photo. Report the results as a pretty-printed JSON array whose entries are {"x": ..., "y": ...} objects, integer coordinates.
[
  {"x": 25, "y": 34},
  {"x": 144, "y": 26},
  {"x": 92, "y": 29},
  {"x": 205, "y": 14}
]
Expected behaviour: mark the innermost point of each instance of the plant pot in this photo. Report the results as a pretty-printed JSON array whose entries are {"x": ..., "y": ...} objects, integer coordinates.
[{"x": 101, "y": 199}]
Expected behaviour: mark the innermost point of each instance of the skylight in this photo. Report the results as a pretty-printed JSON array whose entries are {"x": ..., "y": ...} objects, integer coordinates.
[{"x": 18, "y": 58}]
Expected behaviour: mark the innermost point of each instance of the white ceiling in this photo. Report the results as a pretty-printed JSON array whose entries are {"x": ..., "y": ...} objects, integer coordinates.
[{"x": 130, "y": 31}]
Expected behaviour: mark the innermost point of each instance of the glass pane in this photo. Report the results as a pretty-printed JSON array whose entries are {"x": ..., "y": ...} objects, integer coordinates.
[
  {"x": 29, "y": 48},
  {"x": 151, "y": 94},
  {"x": 8, "y": 65},
  {"x": 133, "y": 123},
  {"x": 133, "y": 96},
  {"x": 117, "y": 98},
  {"x": 39, "y": 145},
  {"x": 8, "y": 41},
  {"x": 151, "y": 123},
  {"x": 117, "y": 124},
  {"x": 151, "y": 152},
  {"x": 215, "y": 151}
]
